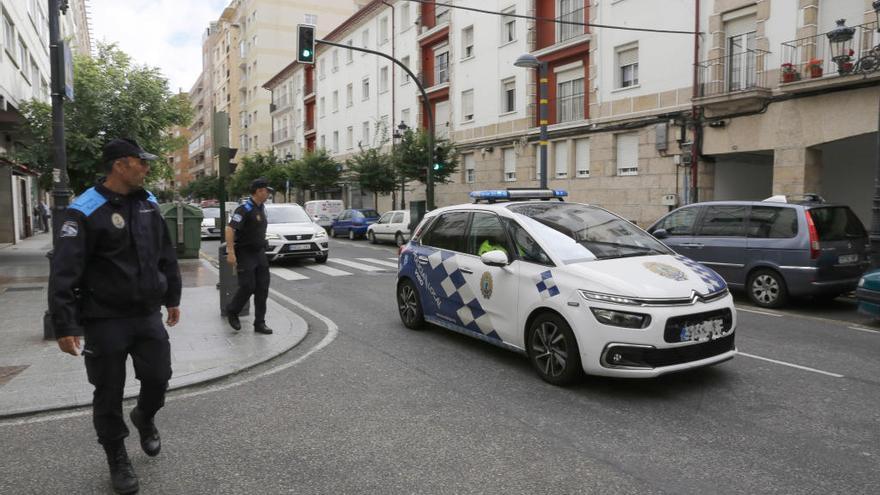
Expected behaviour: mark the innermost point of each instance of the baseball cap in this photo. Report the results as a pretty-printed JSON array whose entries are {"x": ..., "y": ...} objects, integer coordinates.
[
  {"x": 260, "y": 183},
  {"x": 123, "y": 147}
]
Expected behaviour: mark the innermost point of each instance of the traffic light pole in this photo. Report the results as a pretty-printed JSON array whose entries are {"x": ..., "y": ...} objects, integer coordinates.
[
  {"x": 60, "y": 181},
  {"x": 429, "y": 171}
]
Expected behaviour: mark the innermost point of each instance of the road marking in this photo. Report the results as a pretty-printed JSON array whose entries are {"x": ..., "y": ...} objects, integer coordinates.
[
  {"x": 379, "y": 262},
  {"x": 287, "y": 273},
  {"x": 739, "y": 308},
  {"x": 394, "y": 259},
  {"x": 328, "y": 270},
  {"x": 355, "y": 264},
  {"x": 805, "y": 368},
  {"x": 864, "y": 329}
]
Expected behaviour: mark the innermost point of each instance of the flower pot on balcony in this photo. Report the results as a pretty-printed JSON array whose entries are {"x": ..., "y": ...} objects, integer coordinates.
[
  {"x": 816, "y": 71},
  {"x": 788, "y": 77}
]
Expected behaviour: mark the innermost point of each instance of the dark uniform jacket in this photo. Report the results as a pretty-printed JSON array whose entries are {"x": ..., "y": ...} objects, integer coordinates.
[
  {"x": 116, "y": 253},
  {"x": 249, "y": 223}
]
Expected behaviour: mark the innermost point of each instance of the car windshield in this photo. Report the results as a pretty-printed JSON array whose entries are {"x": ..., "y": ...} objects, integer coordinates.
[
  {"x": 576, "y": 232},
  {"x": 211, "y": 212},
  {"x": 287, "y": 214},
  {"x": 369, "y": 213}
]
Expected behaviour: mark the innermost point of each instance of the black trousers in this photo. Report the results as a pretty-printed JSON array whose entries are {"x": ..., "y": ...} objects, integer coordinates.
[
  {"x": 109, "y": 342},
  {"x": 253, "y": 280}
]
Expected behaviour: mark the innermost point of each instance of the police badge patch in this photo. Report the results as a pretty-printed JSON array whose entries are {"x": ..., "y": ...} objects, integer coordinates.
[
  {"x": 259, "y": 218},
  {"x": 486, "y": 285},
  {"x": 118, "y": 221},
  {"x": 69, "y": 229},
  {"x": 667, "y": 271}
]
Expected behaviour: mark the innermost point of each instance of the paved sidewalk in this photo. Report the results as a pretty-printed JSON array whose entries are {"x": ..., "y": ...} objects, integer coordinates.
[{"x": 36, "y": 376}]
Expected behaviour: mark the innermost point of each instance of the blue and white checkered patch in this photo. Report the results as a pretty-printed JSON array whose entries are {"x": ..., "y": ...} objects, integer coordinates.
[
  {"x": 707, "y": 275},
  {"x": 546, "y": 285},
  {"x": 445, "y": 269}
]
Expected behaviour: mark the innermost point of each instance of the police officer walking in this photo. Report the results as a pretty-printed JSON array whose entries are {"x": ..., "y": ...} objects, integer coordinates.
[
  {"x": 113, "y": 267},
  {"x": 246, "y": 252}
]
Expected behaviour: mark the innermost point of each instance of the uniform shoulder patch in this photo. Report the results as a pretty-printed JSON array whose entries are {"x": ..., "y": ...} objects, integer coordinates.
[
  {"x": 236, "y": 217},
  {"x": 151, "y": 197},
  {"x": 248, "y": 206},
  {"x": 88, "y": 201},
  {"x": 69, "y": 229}
]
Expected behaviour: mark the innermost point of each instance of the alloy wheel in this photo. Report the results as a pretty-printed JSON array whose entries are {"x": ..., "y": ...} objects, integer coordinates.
[
  {"x": 765, "y": 288},
  {"x": 550, "y": 349},
  {"x": 408, "y": 305}
]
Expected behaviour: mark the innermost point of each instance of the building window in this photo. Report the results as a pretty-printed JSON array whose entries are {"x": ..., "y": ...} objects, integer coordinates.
[
  {"x": 322, "y": 107},
  {"x": 404, "y": 77},
  {"x": 628, "y": 63},
  {"x": 508, "y": 160},
  {"x": 538, "y": 162},
  {"x": 365, "y": 88},
  {"x": 9, "y": 35},
  {"x": 404, "y": 116},
  {"x": 569, "y": 11},
  {"x": 335, "y": 57},
  {"x": 508, "y": 95},
  {"x": 335, "y": 101},
  {"x": 365, "y": 39},
  {"x": 349, "y": 95},
  {"x": 323, "y": 142},
  {"x": 441, "y": 13},
  {"x": 582, "y": 158},
  {"x": 570, "y": 96},
  {"x": 349, "y": 137},
  {"x": 404, "y": 16},
  {"x": 628, "y": 154},
  {"x": 23, "y": 58},
  {"x": 560, "y": 158},
  {"x": 349, "y": 53},
  {"x": 508, "y": 27},
  {"x": 470, "y": 173},
  {"x": 467, "y": 42},
  {"x": 35, "y": 72},
  {"x": 441, "y": 66},
  {"x": 383, "y": 79},
  {"x": 336, "y": 141},
  {"x": 383, "y": 30},
  {"x": 321, "y": 65},
  {"x": 365, "y": 134},
  {"x": 467, "y": 105}
]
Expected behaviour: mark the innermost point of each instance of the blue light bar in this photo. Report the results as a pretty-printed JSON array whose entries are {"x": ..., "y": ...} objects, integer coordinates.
[
  {"x": 493, "y": 195},
  {"x": 490, "y": 194}
]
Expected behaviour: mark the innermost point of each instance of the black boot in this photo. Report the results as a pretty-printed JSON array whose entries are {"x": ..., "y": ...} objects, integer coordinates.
[
  {"x": 262, "y": 328},
  {"x": 233, "y": 321},
  {"x": 121, "y": 473},
  {"x": 150, "y": 441}
]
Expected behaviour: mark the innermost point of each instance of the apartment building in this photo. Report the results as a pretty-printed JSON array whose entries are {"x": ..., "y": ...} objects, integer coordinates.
[{"x": 25, "y": 74}]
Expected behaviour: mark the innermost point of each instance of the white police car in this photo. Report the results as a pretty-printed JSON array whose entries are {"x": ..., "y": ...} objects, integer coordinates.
[{"x": 573, "y": 286}]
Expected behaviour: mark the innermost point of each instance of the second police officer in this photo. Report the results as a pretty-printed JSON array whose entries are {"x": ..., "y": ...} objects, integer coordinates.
[{"x": 246, "y": 252}]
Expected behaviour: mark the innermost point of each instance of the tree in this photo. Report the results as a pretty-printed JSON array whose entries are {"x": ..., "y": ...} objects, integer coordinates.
[
  {"x": 374, "y": 171},
  {"x": 114, "y": 98},
  {"x": 255, "y": 165},
  {"x": 316, "y": 171},
  {"x": 411, "y": 157},
  {"x": 205, "y": 187}
]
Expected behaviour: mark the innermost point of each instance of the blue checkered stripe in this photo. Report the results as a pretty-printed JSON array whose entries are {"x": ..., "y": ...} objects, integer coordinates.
[
  {"x": 470, "y": 312},
  {"x": 707, "y": 275},
  {"x": 546, "y": 285}
]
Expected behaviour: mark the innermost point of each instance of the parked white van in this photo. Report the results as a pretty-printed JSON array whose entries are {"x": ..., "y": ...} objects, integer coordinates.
[{"x": 324, "y": 211}]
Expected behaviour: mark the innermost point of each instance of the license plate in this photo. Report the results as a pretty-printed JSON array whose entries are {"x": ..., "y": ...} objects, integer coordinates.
[
  {"x": 702, "y": 331},
  {"x": 848, "y": 258},
  {"x": 298, "y": 247}
]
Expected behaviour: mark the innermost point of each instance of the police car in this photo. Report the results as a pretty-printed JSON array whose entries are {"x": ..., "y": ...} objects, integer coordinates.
[{"x": 572, "y": 286}]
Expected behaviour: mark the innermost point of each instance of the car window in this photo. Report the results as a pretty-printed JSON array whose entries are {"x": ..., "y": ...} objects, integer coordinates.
[
  {"x": 386, "y": 218},
  {"x": 345, "y": 215},
  {"x": 398, "y": 217},
  {"x": 837, "y": 223},
  {"x": 211, "y": 213},
  {"x": 447, "y": 231},
  {"x": 369, "y": 213},
  {"x": 527, "y": 249},
  {"x": 486, "y": 234},
  {"x": 771, "y": 222},
  {"x": 724, "y": 221},
  {"x": 356, "y": 214},
  {"x": 287, "y": 214},
  {"x": 680, "y": 222}
]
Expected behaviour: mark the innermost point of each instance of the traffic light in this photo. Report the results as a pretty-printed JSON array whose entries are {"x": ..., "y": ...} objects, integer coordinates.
[
  {"x": 305, "y": 48},
  {"x": 438, "y": 159}
]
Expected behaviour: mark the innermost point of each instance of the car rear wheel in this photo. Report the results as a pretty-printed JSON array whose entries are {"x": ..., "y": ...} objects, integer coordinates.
[
  {"x": 553, "y": 350},
  {"x": 766, "y": 288},
  {"x": 399, "y": 240},
  {"x": 333, "y": 233},
  {"x": 322, "y": 258},
  {"x": 409, "y": 305},
  {"x": 371, "y": 236}
]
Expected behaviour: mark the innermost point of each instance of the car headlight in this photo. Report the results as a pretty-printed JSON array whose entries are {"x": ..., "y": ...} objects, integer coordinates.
[
  {"x": 621, "y": 318},
  {"x": 608, "y": 298},
  {"x": 320, "y": 233},
  {"x": 273, "y": 237}
]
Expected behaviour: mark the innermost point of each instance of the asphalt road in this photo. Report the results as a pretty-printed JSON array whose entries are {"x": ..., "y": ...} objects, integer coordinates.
[{"x": 364, "y": 405}]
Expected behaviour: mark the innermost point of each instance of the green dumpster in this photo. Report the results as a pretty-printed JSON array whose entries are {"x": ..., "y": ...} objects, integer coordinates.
[{"x": 185, "y": 227}]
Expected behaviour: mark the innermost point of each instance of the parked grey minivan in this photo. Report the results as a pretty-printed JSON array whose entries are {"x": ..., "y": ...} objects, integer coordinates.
[{"x": 773, "y": 249}]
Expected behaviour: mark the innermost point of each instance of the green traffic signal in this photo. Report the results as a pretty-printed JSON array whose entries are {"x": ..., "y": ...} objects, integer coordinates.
[
  {"x": 437, "y": 166},
  {"x": 307, "y": 53}
]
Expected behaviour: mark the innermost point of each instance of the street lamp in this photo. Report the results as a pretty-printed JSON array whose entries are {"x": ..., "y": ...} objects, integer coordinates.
[
  {"x": 840, "y": 51},
  {"x": 398, "y": 134},
  {"x": 529, "y": 61}
]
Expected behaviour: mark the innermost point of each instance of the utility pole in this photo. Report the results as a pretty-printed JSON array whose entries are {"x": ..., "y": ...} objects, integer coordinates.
[{"x": 59, "y": 56}]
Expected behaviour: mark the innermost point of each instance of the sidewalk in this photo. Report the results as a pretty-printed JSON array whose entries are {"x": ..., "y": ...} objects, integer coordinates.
[{"x": 36, "y": 376}]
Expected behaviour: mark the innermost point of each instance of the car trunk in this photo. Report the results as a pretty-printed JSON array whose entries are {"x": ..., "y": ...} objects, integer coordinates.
[{"x": 842, "y": 242}]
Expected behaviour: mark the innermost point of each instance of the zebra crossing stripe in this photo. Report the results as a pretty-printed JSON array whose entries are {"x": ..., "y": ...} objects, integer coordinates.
[
  {"x": 355, "y": 264},
  {"x": 394, "y": 259},
  {"x": 287, "y": 274},
  {"x": 379, "y": 262},
  {"x": 328, "y": 270}
]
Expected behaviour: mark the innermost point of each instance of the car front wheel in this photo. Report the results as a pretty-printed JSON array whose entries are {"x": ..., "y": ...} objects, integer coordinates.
[
  {"x": 553, "y": 350},
  {"x": 351, "y": 235},
  {"x": 371, "y": 236},
  {"x": 322, "y": 258},
  {"x": 766, "y": 288},
  {"x": 399, "y": 240},
  {"x": 409, "y": 305}
]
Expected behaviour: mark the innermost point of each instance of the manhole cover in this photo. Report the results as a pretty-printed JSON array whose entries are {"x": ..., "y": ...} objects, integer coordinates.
[{"x": 7, "y": 373}]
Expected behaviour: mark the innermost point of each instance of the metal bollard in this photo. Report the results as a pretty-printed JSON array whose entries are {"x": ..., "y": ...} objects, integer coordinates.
[{"x": 228, "y": 284}]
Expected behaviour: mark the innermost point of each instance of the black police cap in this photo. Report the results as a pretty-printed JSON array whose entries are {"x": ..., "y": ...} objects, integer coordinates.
[
  {"x": 123, "y": 147},
  {"x": 260, "y": 183}
]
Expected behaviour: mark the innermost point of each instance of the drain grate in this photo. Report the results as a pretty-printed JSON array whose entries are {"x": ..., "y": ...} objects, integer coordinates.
[{"x": 23, "y": 289}]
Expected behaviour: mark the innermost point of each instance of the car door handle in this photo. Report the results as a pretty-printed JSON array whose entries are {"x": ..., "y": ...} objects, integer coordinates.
[
  {"x": 692, "y": 245},
  {"x": 423, "y": 260},
  {"x": 466, "y": 270}
]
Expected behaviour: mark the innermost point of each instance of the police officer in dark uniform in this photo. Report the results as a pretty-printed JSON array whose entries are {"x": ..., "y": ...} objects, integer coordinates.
[
  {"x": 113, "y": 267},
  {"x": 246, "y": 251}
]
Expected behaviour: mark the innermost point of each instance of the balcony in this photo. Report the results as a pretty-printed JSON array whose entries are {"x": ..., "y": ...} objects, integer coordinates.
[
  {"x": 734, "y": 82},
  {"x": 808, "y": 63}
]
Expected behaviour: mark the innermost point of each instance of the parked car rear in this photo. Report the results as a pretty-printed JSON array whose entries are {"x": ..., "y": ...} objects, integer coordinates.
[
  {"x": 772, "y": 250},
  {"x": 354, "y": 222}
]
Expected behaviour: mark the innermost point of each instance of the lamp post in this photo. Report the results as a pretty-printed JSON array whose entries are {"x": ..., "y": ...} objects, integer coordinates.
[
  {"x": 529, "y": 61},
  {"x": 398, "y": 134},
  {"x": 287, "y": 159},
  {"x": 840, "y": 38}
]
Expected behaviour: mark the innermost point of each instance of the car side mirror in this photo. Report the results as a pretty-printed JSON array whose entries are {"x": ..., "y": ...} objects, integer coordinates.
[
  {"x": 660, "y": 233},
  {"x": 495, "y": 258}
]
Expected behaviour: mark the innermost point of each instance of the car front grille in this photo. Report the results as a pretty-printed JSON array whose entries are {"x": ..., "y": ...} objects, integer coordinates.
[{"x": 298, "y": 237}]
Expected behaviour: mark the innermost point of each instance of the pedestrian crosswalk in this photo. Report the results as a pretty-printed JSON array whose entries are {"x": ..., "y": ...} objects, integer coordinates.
[{"x": 310, "y": 270}]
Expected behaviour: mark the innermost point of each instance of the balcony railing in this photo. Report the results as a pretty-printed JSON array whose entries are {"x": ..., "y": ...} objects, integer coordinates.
[
  {"x": 743, "y": 71},
  {"x": 811, "y": 57},
  {"x": 568, "y": 31},
  {"x": 570, "y": 108}
]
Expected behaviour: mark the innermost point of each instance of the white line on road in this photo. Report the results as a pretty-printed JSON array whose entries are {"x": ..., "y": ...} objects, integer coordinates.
[
  {"x": 863, "y": 329},
  {"x": 328, "y": 270},
  {"x": 394, "y": 259},
  {"x": 287, "y": 273},
  {"x": 740, "y": 308},
  {"x": 805, "y": 368},
  {"x": 379, "y": 262},
  {"x": 355, "y": 264}
]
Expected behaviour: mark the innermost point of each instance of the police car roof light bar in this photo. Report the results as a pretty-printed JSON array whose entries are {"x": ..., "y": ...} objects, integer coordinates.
[{"x": 495, "y": 195}]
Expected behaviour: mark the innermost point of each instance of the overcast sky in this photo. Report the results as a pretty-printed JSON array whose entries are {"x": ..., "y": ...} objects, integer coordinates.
[{"x": 161, "y": 33}]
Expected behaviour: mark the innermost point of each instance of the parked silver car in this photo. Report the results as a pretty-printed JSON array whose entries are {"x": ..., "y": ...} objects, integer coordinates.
[{"x": 772, "y": 249}]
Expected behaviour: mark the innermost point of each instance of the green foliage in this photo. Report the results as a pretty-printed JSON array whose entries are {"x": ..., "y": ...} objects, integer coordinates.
[
  {"x": 206, "y": 187},
  {"x": 250, "y": 167},
  {"x": 374, "y": 171},
  {"x": 412, "y": 155},
  {"x": 113, "y": 98},
  {"x": 316, "y": 171}
]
